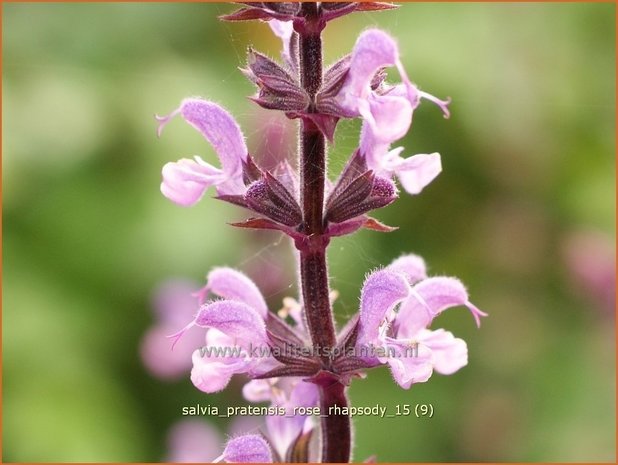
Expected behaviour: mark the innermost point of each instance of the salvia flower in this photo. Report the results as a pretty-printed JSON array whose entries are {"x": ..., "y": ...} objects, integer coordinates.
[
  {"x": 239, "y": 180},
  {"x": 185, "y": 181},
  {"x": 240, "y": 335},
  {"x": 235, "y": 326},
  {"x": 388, "y": 110},
  {"x": 398, "y": 304}
]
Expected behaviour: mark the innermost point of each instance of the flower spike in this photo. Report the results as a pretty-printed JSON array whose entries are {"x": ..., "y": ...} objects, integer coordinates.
[{"x": 295, "y": 357}]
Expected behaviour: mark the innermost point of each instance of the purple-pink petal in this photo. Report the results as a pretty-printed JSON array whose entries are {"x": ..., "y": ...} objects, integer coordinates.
[
  {"x": 288, "y": 392},
  {"x": 412, "y": 266},
  {"x": 443, "y": 104},
  {"x": 223, "y": 356},
  {"x": 414, "y": 315},
  {"x": 258, "y": 390},
  {"x": 304, "y": 395},
  {"x": 284, "y": 429},
  {"x": 381, "y": 292},
  {"x": 212, "y": 374},
  {"x": 449, "y": 353},
  {"x": 218, "y": 127},
  {"x": 231, "y": 284},
  {"x": 235, "y": 319},
  {"x": 418, "y": 171},
  {"x": 428, "y": 299},
  {"x": 374, "y": 49},
  {"x": 251, "y": 448},
  {"x": 185, "y": 181},
  {"x": 215, "y": 363},
  {"x": 409, "y": 365},
  {"x": 415, "y": 172},
  {"x": 386, "y": 119}
]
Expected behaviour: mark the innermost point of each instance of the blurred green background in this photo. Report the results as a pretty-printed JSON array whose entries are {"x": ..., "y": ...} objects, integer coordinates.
[{"x": 524, "y": 214}]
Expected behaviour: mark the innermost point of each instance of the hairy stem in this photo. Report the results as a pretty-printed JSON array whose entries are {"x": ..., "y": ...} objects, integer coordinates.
[
  {"x": 336, "y": 431},
  {"x": 336, "y": 427},
  {"x": 312, "y": 163}
]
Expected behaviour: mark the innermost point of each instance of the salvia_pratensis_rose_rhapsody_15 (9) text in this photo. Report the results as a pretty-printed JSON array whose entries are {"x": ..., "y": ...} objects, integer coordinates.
[{"x": 300, "y": 359}]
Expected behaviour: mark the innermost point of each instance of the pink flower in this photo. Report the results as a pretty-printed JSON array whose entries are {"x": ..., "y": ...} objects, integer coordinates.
[
  {"x": 387, "y": 111},
  {"x": 398, "y": 304},
  {"x": 185, "y": 181},
  {"x": 284, "y": 430},
  {"x": 173, "y": 305},
  {"x": 236, "y": 331},
  {"x": 231, "y": 284}
]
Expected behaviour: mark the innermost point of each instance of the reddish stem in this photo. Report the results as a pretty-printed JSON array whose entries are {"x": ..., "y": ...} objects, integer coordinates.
[{"x": 336, "y": 428}]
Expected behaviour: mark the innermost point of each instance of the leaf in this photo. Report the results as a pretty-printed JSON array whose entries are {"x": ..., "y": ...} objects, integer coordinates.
[
  {"x": 375, "y": 6},
  {"x": 235, "y": 199},
  {"x": 375, "y": 225},
  {"x": 246, "y": 14},
  {"x": 259, "y": 223}
]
